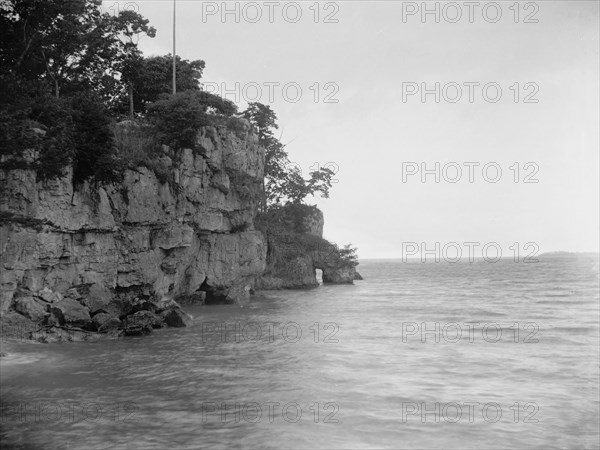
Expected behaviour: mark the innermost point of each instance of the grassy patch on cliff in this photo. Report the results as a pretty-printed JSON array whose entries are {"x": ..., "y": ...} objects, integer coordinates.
[
  {"x": 290, "y": 217},
  {"x": 138, "y": 146}
]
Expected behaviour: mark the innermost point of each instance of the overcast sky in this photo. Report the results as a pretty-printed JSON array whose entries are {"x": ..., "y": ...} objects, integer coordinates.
[{"x": 371, "y": 57}]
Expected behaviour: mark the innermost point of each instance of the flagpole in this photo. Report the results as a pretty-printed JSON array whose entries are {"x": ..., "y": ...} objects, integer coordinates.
[{"x": 174, "y": 51}]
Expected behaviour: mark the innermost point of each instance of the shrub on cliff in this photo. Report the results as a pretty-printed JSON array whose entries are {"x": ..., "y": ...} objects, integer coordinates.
[
  {"x": 36, "y": 129},
  {"x": 179, "y": 117},
  {"x": 95, "y": 150},
  {"x": 46, "y": 133},
  {"x": 71, "y": 46},
  {"x": 16, "y": 126},
  {"x": 348, "y": 256}
]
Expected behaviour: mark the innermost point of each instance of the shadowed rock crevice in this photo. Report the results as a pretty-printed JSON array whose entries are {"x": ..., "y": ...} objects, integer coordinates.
[{"x": 213, "y": 295}]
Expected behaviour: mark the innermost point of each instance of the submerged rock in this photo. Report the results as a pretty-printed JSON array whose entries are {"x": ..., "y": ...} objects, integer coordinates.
[
  {"x": 238, "y": 295},
  {"x": 141, "y": 323},
  {"x": 51, "y": 335},
  {"x": 176, "y": 317}
]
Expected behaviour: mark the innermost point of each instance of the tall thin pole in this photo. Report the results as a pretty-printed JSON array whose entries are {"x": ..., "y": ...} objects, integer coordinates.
[{"x": 174, "y": 51}]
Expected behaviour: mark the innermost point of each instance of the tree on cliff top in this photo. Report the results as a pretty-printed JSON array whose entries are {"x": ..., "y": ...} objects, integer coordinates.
[
  {"x": 178, "y": 118},
  {"x": 283, "y": 180},
  {"x": 151, "y": 77},
  {"x": 132, "y": 26},
  {"x": 71, "y": 45},
  {"x": 60, "y": 68}
]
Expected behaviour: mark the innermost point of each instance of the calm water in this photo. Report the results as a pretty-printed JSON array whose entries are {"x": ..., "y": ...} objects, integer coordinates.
[{"x": 360, "y": 374}]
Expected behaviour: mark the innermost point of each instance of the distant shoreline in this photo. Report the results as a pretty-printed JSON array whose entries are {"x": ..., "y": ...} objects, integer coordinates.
[{"x": 418, "y": 259}]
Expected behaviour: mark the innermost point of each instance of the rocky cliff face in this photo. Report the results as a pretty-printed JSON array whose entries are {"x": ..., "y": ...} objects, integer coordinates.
[
  {"x": 92, "y": 250},
  {"x": 296, "y": 249}
]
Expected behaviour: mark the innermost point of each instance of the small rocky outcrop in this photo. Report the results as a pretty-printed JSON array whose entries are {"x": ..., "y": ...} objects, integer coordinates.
[{"x": 296, "y": 249}]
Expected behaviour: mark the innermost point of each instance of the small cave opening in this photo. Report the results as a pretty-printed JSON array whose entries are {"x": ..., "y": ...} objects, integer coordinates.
[{"x": 214, "y": 296}]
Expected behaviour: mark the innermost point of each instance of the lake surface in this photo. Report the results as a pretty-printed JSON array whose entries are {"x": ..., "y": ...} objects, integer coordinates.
[{"x": 481, "y": 355}]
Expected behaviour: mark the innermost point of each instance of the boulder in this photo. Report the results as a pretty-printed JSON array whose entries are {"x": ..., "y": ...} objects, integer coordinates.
[
  {"x": 173, "y": 315},
  {"x": 141, "y": 323},
  {"x": 128, "y": 306},
  {"x": 358, "y": 276},
  {"x": 142, "y": 304},
  {"x": 15, "y": 326},
  {"x": 176, "y": 317},
  {"x": 100, "y": 319},
  {"x": 48, "y": 296},
  {"x": 71, "y": 312},
  {"x": 97, "y": 299},
  {"x": 112, "y": 325},
  {"x": 29, "y": 307}
]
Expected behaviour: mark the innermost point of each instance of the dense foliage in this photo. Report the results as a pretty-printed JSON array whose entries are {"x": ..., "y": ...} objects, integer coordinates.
[
  {"x": 149, "y": 78},
  {"x": 70, "y": 46},
  {"x": 178, "y": 118},
  {"x": 69, "y": 72}
]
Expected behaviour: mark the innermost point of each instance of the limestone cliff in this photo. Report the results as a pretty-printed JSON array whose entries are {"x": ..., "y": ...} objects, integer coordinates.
[{"x": 92, "y": 249}]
